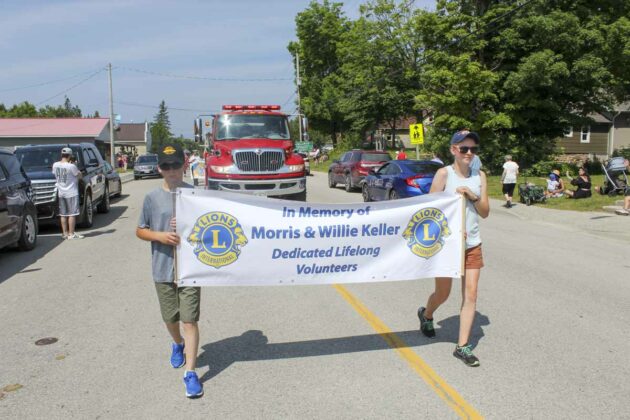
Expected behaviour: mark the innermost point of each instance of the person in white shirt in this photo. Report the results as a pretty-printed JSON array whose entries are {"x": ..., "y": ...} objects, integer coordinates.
[
  {"x": 508, "y": 179},
  {"x": 67, "y": 176}
]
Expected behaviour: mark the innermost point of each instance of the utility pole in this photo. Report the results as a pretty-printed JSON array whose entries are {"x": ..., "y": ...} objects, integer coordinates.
[
  {"x": 111, "y": 117},
  {"x": 299, "y": 82}
]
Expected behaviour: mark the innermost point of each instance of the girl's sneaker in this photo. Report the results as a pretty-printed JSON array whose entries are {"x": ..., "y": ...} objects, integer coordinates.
[
  {"x": 465, "y": 354},
  {"x": 75, "y": 236}
]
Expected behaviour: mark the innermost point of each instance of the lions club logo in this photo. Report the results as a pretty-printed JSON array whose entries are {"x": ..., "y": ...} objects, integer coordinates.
[
  {"x": 425, "y": 232},
  {"x": 217, "y": 239},
  {"x": 168, "y": 150}
]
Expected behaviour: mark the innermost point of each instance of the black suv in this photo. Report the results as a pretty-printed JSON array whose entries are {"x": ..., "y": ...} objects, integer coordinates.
[
  {"x": 18, "y": 217},
  {"x": 37, "y": 161}
]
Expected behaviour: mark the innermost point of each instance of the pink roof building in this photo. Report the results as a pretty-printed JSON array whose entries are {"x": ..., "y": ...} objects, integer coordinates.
[{"x": 45, "y": 128}]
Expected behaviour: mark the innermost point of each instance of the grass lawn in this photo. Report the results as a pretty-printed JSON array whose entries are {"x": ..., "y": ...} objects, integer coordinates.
[{"x": 594, "y": 203}]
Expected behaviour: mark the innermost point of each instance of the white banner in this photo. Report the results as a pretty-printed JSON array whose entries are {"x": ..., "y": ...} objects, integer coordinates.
[{"x": 230, "y": 239}]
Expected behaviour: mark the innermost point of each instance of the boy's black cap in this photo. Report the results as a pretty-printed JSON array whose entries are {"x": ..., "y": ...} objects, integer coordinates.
[{"x": 171, "y": 153}]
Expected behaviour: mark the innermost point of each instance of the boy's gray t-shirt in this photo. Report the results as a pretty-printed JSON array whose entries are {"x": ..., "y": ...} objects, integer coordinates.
[{"x": 157, "y": 212}]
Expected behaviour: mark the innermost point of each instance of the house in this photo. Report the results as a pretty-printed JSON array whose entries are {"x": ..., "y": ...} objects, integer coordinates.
[
  {"x": 401, "y": 132},
  {"x": 607, "y": 132},
  {"x": 134, "y": 138},
  {"x": 22, "y": 131}
]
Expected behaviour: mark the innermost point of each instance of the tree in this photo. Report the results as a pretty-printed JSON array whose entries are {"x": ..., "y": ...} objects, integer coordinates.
[
  {"x": 380, "y": 63},
  {"x": 28, "y": 110},
  {"x": 520, "y": 74},
  {"x": 320, "y": 29},
  {"x": 160, "y": 128}
]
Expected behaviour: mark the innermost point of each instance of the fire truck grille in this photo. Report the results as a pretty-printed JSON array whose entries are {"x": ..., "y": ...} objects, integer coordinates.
[{"x": 259, "y": 161}]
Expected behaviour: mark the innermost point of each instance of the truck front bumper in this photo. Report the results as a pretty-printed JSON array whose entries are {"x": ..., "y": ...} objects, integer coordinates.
[{"x": 266, "y": 187}]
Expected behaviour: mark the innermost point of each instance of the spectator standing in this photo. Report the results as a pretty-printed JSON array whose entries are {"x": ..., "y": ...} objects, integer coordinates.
[
  {"x": 583, "y": 184},
  {"x": 67, "y": 176},
  {"x": 460, "y": 178},
  {"x": 508, "y": 179},
  {"x": 177, "y": 304},
  {"x": 401, "y": 154}
]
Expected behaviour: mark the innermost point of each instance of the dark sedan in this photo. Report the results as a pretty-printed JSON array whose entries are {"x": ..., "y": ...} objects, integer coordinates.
[{"x": 399, "y": 179}]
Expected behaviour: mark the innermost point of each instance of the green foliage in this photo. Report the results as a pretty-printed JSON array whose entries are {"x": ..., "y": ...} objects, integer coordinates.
[
  {"x": 544, "y": 168},
  {"x": 160, "y": 128},
  {"x": 517, "y": 73},
  {"x": 624, "y": 151},
  {"x": 27, "y": 110}
]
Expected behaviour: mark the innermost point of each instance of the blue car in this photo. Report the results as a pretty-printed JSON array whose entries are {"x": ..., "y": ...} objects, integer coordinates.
[{"x": 399, "y": 179}]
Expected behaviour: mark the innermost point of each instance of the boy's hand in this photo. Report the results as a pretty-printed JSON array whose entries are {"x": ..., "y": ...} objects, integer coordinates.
[{"x": 169, "y": 238}]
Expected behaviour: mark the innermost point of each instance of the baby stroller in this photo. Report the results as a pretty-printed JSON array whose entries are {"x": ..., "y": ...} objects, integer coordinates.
[
  {"x": 616, "y": 179},
  {"x": 531, "y": 193}
]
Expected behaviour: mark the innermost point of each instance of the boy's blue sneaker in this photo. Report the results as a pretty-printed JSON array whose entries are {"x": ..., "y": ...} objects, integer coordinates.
[
  {"x": 194, "y": 389},
  {"x": 177, "y": 356}
]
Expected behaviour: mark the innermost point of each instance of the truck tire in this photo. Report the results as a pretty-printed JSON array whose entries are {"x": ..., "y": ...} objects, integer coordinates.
[
  {"x": 28, "y": 234},
  {"x": 86, "y": 218},
  {"x": 104, "y": 205}
]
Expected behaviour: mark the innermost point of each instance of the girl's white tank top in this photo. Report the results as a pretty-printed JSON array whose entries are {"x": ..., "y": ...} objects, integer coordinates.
[{"x": 473, "y": 238}]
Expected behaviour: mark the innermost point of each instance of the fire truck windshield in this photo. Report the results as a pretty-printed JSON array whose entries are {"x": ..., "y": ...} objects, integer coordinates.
[{"x": 249, "y": 126}]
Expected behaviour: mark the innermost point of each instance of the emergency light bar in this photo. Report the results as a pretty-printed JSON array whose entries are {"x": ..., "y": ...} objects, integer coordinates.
[{"x": 251, "y": 107}]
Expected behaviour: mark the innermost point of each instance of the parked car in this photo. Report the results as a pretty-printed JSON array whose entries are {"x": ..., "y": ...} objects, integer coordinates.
[
  {"x": 18, "y": 215},
  {"x": 37, "y": 161},
  {"x": 353, "y": 167},
  {"x": 146, "y": 165},
  {"x": 399, "y": 179},
  {"x": 113, "y": 181}
]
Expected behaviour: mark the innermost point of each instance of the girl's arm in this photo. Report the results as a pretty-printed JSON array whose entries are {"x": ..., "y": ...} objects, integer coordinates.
[
  {"x": 482, "y": 205},
  {"x": 439, "y": 181}
]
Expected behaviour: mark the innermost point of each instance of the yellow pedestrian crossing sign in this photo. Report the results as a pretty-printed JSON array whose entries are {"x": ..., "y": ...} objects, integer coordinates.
[{"x": 416, "y": 134}]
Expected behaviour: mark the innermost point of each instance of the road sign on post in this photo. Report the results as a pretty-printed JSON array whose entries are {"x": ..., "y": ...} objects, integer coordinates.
[{"x": 416, "y": 133}]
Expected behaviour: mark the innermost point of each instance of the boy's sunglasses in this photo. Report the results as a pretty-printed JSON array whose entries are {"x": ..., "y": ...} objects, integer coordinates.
[
  {"x": 466, "y": 149},
  {"x": 170, "y": 166}
]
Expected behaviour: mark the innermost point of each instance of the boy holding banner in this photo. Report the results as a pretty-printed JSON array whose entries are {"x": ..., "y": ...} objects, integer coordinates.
[
  {"x": 471, "y": 183},
  {"x": 177, "y": 304}
]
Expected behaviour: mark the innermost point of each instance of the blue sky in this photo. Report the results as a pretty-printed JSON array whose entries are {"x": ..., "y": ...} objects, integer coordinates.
[{"x": 42, "y": 41}]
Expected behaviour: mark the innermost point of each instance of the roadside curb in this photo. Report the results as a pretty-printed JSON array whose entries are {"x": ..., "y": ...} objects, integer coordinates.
[{"x": 126, "y": 177}]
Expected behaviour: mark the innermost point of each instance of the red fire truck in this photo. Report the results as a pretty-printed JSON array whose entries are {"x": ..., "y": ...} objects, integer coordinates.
[{"x": 250, "y": 151}]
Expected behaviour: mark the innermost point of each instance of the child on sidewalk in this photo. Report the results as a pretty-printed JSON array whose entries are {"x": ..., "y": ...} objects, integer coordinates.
[{"x": 177, "y": 304}]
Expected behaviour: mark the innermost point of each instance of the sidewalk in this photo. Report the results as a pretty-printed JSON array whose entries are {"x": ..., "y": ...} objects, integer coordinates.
[{"x": 601, "y": 224}]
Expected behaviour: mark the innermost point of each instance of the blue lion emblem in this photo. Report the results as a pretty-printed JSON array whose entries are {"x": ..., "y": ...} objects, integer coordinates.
[
  {"x": 425, "y": 232},
  {"x": 217, "y": 239}
]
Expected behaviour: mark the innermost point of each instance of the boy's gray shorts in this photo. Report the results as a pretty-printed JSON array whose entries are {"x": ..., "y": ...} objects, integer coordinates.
[
  {"x": 178, "y": 303},
  {"x": 69, "y": 206}
]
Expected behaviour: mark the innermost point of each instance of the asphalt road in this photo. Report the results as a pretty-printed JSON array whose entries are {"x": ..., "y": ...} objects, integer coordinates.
[{"x": 552, "y": 332}]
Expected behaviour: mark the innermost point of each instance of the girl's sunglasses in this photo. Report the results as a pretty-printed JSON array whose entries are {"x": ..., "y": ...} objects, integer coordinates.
[
  {"x": 466, "y": 149},
  {"x": 170, "y": 166}
]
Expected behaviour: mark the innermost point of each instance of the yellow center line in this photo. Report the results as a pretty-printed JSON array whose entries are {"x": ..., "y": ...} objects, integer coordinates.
[{"x": 444, "y": 390}]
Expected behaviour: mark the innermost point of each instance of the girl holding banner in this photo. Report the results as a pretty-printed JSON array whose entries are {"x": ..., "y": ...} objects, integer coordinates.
[{"x": 471, "y": 183}]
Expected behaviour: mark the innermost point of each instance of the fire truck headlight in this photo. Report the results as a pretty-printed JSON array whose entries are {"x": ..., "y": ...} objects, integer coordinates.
[
  {"x": 296, "y": 168},
  {"x": 220, "y": 169}
]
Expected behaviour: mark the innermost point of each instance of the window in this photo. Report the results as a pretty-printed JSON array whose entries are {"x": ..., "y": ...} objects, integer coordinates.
[
  {"x": 3, "y": 177},
  {"x": 585, "y": 134},
  {"x": 346, "y": 157},
  {"x": 12, "y": 164},
  {"x": 568, "y": 132}
]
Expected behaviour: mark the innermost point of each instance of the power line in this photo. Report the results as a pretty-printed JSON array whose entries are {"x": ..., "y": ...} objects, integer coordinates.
[
  {"x": 169, "y": 108},
  {"x": 70, "y": 88},
  {"x": 50, "y": 82},
  {"x": 217, "y": 79},
  {"x": 287, "y": 101}
]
